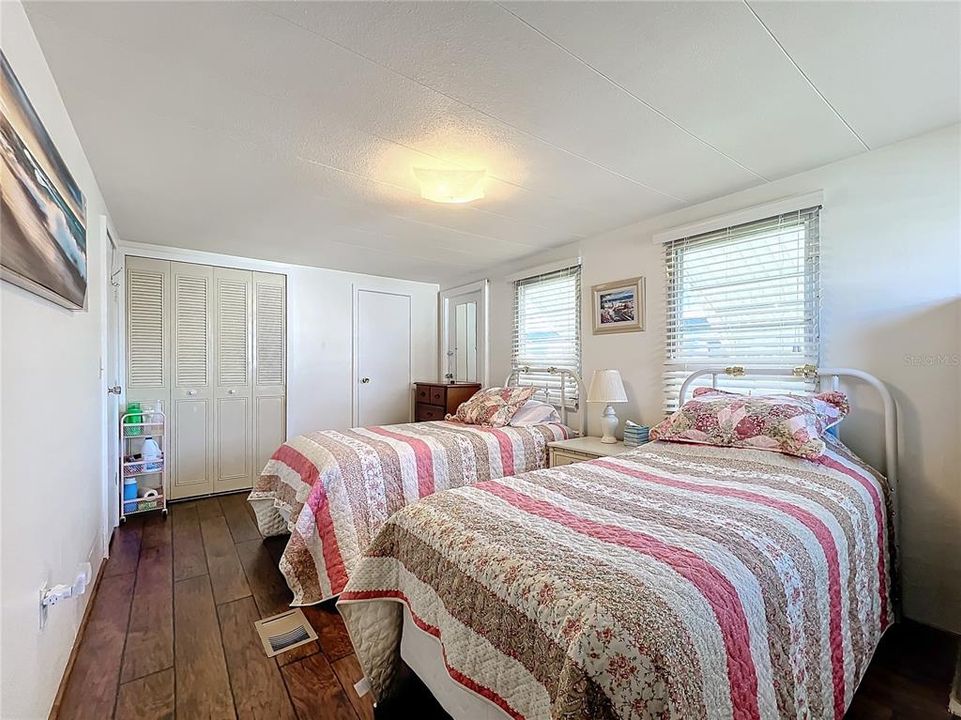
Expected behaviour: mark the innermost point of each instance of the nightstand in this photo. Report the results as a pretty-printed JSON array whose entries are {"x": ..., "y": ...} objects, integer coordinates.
[
  {"x": 579, "y": 449},
  {"x": 432, "y": 401}
]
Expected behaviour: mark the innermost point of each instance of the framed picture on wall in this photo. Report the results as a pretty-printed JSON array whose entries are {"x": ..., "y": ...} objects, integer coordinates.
[
  {"x": 618, "y": 306},
  {"x": 44, "y": 238}
]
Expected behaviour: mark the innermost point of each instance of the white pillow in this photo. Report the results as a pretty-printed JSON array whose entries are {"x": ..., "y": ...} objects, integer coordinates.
[{"x": 534, "y": 412}]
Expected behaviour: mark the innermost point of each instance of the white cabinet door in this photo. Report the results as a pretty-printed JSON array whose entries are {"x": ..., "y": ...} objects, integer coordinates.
[
  {"x": 192, "y": 397},
  {"x": 382, "y": 358},
  {"x": 233, "y": 413},
  {"x": 147, "y": 296},
  {"x": 270, "y": 362}
]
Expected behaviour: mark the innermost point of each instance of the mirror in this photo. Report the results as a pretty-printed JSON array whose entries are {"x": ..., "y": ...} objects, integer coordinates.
[{"x": 465, "y": 342}]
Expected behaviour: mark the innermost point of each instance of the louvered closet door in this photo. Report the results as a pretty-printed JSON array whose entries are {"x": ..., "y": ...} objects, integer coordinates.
[
  {"x": 192, "y": 396},
  {"x": 233, "y": 414},
  {"x": 147, "y": 329},
  {"x": 270, "y": 360}
]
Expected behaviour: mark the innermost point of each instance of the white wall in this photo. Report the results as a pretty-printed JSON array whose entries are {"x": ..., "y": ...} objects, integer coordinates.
[
  {"x": 319, "y": 331},
  {"x": 51, "y": 395},
  {"x": 319, "y": 344},
  {"x": 891, "y": 270}
]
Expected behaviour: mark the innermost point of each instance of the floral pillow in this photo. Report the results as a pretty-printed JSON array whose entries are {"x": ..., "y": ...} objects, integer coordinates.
[
  {"x": 492, "y": 406},
  {"x": 790, "y": 424}
]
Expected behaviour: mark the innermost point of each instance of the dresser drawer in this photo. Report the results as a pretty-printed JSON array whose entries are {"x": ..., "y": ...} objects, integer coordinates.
[
  {"x": 422, "y": 394},
  {"x": 423, "y": 412},
  {"x": 438, "y": 396},
  {"x": 568, "y": 457}
]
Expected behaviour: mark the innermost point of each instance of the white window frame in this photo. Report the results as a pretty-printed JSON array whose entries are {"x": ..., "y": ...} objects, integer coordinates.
[
  {"x": 682, "y": 352},
  {"x": 519, "y": 359}
]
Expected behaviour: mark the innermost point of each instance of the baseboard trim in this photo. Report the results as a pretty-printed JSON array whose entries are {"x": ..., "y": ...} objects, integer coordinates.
[{"x": 94, "y": 587}]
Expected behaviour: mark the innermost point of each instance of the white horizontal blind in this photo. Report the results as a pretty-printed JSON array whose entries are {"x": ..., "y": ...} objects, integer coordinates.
[
  {"x": 547, "y": 330},
  {"x": 746, "y": 295}
]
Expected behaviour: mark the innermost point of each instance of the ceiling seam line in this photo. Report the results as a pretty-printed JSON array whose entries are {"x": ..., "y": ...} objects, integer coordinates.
[
  {"x": 804, "y": 75},
  {"x": 636, "y": 98},
  {"x": 484, "y": 113}
]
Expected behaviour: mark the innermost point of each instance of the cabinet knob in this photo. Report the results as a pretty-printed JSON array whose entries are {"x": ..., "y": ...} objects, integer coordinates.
[
  {"x": 365, "y": 380},
  {"x": 191, "y": 392},
  {"x": 231, "y": 392}
]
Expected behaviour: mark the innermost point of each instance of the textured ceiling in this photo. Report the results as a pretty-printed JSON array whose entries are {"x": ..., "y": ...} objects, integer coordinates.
[{"x": 288, "y": 131}]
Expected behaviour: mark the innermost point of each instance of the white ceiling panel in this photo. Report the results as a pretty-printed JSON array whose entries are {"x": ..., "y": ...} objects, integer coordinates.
[
  {"x": 478, "y": 53},
  {"x": 892, "y": 69},
  {"x": 705, "y": 66},
  {"x": 289, "y": 131}
]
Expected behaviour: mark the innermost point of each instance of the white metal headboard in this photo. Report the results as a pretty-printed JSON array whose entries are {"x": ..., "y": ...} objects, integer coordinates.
[
  {"x": 517, "y": 371},
  {"x": 811, "y": 372}
]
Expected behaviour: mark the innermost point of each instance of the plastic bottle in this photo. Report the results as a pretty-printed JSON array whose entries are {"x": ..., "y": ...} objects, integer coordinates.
[{"x": 151, "y": 454}]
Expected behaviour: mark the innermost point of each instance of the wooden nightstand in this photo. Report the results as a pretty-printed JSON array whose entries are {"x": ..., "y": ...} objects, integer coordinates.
[
  {"x": 432, "y": 401},
  {"x": 575, "y": 450}
]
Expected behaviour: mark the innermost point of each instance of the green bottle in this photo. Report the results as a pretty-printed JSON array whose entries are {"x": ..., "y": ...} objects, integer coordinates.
[{"x": 134, "y": 418}]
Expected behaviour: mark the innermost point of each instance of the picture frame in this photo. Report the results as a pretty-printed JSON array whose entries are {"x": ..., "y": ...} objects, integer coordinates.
[
  {"x": 619, "y": 306},
  {"x": 43, "y": 222}
]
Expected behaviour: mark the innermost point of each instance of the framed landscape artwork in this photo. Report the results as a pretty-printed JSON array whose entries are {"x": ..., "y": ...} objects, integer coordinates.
[
  {"x": 44, "y": 244},
  {"x": 618, "y": 306}
]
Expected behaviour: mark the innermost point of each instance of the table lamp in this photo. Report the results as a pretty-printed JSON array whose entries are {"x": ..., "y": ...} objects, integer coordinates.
[{"x": 606, "y": 387}]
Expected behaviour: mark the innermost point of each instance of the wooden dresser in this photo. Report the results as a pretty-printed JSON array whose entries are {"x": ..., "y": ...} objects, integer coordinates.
[{"x": 432, "y": 401}]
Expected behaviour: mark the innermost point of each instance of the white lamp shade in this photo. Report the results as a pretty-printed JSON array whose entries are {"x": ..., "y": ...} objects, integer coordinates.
[{"x": 606, "y": 387}]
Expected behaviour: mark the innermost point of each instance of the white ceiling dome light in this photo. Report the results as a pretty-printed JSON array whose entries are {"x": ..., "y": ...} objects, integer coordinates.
[{"x": 450, "y": 186}]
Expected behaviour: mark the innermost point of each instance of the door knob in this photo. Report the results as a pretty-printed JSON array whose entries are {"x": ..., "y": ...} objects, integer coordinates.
[
  {"x": 365, "y": 380},
  {"x": 115, "y": 390}
]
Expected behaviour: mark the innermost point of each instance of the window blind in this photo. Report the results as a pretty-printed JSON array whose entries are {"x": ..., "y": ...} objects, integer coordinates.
[
  {"x": 746, "y": 295},
  {"x": 547, "y": 330}
]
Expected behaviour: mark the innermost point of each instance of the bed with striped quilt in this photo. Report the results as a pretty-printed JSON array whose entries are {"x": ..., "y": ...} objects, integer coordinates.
[
  {"x": 672, "y": 581},
  {"x": 334, "y": 489}
]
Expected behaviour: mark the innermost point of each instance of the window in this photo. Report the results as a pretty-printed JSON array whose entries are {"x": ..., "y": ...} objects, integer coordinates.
[
  {"x": 746, "y": 295},
  {"x": 547, "y": 329}
]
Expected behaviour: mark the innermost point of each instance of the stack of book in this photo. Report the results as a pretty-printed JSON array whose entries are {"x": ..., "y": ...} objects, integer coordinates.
[{"x": 635, "y": 434}]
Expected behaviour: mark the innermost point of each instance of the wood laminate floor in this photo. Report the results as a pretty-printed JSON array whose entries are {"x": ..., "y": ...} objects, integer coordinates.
[{"x": 170, "y": 634}]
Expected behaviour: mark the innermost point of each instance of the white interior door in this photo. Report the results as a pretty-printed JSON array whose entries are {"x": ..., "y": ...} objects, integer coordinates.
[
  {"x": 382, "y": 358},
  {"x": 464, "y": 349},
  {"x": 270, "y": 362},
  {"x": 112, "y": 383},
  {"x": 191, "y": 413},
  {"x": 233, "y": 412}
]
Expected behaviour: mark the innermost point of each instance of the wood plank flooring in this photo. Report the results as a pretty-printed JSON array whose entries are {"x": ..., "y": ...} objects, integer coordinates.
[{"x": 171, "y": 634}]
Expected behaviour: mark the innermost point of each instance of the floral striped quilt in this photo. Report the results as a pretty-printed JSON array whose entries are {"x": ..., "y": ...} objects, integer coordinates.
[
  {"x": 673, "y": 581},
  {"x": 333, "y": 490}
]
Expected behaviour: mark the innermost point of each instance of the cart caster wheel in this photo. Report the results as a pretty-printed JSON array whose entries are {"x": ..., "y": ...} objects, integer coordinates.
[{"x": 123, "y": 521}]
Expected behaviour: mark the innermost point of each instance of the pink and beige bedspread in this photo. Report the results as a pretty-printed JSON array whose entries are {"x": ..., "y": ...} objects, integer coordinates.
[
  {"x": 673, "y": 581},
  {"x": 333, "y": 490}
]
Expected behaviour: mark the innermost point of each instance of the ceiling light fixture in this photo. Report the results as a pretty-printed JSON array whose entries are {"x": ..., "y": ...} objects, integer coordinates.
[{"x": 450, "y": 186}]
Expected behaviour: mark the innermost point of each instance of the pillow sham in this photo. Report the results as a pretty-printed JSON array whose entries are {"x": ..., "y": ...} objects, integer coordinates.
[
  {"x": 789, "y": 424},
  {"x": 493, "y": 407},
  {"x": 534, "y": 412}
]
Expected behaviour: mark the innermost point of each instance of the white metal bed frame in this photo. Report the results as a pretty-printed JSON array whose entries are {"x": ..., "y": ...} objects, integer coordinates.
[
  {"x": 516, "y": 372},
  {"x": 815, "y": 373},
  {"x": 423, "y": 653},
  {"x": 811, "y": 372}
]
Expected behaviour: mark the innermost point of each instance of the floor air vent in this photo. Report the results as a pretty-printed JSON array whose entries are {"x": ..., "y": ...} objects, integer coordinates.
[{"x": 284, "y": 632}]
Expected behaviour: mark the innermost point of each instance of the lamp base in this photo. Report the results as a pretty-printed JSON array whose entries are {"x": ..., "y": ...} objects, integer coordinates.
[{"x": 608, "y": 425}]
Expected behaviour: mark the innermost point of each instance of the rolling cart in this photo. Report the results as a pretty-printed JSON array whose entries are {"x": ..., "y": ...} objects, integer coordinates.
[{"x": 143, "y": 462}]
